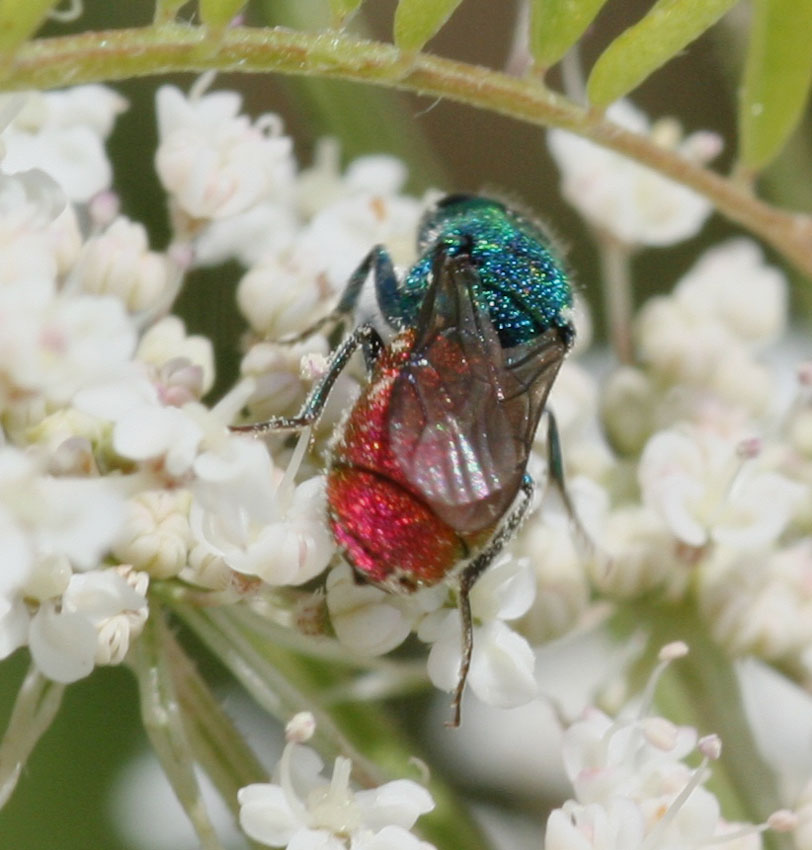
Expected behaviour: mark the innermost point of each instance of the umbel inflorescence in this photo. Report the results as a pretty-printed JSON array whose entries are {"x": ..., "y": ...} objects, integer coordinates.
[{"x": 689, "y": 466}]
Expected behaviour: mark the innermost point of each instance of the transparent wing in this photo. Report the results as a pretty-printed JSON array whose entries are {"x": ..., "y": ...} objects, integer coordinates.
[{"x": 463, "y": 411}]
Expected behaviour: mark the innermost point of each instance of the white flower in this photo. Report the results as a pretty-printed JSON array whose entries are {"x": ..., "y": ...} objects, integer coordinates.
[
  {"x": 118, "y": 262},
  {"x": 165, "y": 436},
  {"x": 167, "y": 347},
  {"x": 30, "y": 203},
  {"x": 732, "y": 282},
  {"x": 370, "y": 621},
  {"x": 50, "y": 347},
  {"x": 640, "y": 554},
  {"x": 93, "y": 106},
  {"x": 62, "y": 133},
  {"x": 303, "y": 810},
  {"x": 214, "y": 162},
  {"x": 282, "y": 374},
  {"x": 340, "y": 236},
  {"x": 71, "y": 517},
  {"x": 550, "y": 542},
  {"x": 68, "y": 637},
  {"x": 704, "y": 490},
  {"x": 323, "y": 184},
  {"x": 703, "y": 336},
  {"x": 267, "y": 228},
  {"x": 155, "y": 536},
  {"x": 633, "y": 789},
  {"x": 502, "y": 664},
  {"x": 629, "y": 201},
  {"x": 616, "y": 826},
  {"x": 760, "y": 602},
  {"x": 244, "y": 513},
  {"x": 283, "y": 294}
]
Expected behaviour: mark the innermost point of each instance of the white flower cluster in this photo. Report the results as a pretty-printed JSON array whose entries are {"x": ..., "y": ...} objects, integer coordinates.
[
  {"x": 301, "y": 809},
  {"x": 629, "y": 202},
  {"x": 634, "y": 790},
  {"x": 60, "y": 332},
  {"x": 703, "y": 488},
  {"x": 113, "y": 471}
]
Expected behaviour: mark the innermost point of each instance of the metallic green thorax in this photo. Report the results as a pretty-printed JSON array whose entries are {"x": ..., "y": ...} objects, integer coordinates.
[{"x": 523, "y": 287}]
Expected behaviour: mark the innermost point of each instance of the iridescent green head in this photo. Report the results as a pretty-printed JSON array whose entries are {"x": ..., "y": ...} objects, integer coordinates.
[{"x": 523, "y": 285}]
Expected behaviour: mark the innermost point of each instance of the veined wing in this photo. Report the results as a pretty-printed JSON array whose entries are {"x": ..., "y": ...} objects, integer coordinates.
[{"x": 463, "y": 410}]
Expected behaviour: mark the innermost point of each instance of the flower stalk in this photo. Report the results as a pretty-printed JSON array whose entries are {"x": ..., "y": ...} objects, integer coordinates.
[
  {"x": 37, "y": 703},
  {"x": 164, "y": 723},
  {"x": 171, "y": 48}
]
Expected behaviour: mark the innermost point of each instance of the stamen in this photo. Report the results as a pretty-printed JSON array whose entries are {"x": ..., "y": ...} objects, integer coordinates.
[
  {"x": 300, "y": 728},
  {"x": 201, "y": 85},
  {"x": 297, "y": 807},
  {"x": 670, "y": 652},
  {"x": 653, "y": 839},
  {"x": 284, "y": 491},
  {"x": 710, "y": 746},
  {"x": 782, "y": 820},
  {"x": 660, "y": 733}
]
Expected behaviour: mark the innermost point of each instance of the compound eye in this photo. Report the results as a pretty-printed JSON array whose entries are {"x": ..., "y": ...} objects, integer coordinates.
[{"x": 453, "y": 200}]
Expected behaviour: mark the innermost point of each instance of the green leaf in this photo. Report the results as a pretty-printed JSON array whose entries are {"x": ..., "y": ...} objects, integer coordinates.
[
  {"x": 668, "y": 27},
  {"x": 555, "y": 25},
  {"x": 218, "y": 14},
  {"x": 416, "y": 21},
  {"x": 342, "y": 9},
  {"x": 777, "y": 77},
  {"x": 20, "y": 19}
]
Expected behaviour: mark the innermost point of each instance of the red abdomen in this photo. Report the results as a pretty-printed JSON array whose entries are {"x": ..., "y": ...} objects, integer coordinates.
[{"x": 389, "y": 534}]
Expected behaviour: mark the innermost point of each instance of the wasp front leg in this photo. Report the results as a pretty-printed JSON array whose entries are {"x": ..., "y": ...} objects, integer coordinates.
[
  {"x": 370, "y": 341},
  {"x": 378, "y": 263}
]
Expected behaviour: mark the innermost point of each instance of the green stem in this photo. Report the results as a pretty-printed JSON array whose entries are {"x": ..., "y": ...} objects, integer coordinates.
[
  {"x": 125, "y": 53},
  {"x": 218, "y": 746},
  {"x": 617, "y": 295},
  {"x": 163, "y": 718},
  {"x": 37, "y": 703}
]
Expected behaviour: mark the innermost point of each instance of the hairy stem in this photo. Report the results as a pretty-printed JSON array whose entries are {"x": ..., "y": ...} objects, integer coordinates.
[{"x": 120, "y": 54}]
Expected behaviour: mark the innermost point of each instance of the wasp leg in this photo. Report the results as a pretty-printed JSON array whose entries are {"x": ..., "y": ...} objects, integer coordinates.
[
  {"x": 380, "y": 264},
  {"x": 364, "y": 335},
  {"x": 469, "y": 577},
  {"x": 555, "y": 465}
]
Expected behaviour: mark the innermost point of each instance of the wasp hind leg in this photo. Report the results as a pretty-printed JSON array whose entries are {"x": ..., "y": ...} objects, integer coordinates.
[
  {"x": 468, "y": 579},
  {"x": 555, "y": 466},
  {"x": 364, "y": 336}
]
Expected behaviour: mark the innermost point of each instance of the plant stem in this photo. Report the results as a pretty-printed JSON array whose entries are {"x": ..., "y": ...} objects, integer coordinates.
[
  {"x": 617, "y": 295},
  {"x": 164, "y": 723},
  {"x": 37, "y": 703},
  {"x": 125, "y": 53}
]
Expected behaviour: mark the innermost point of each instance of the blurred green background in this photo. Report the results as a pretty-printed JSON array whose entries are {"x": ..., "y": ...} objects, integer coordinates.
[{"x": 62, "y": 800}]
